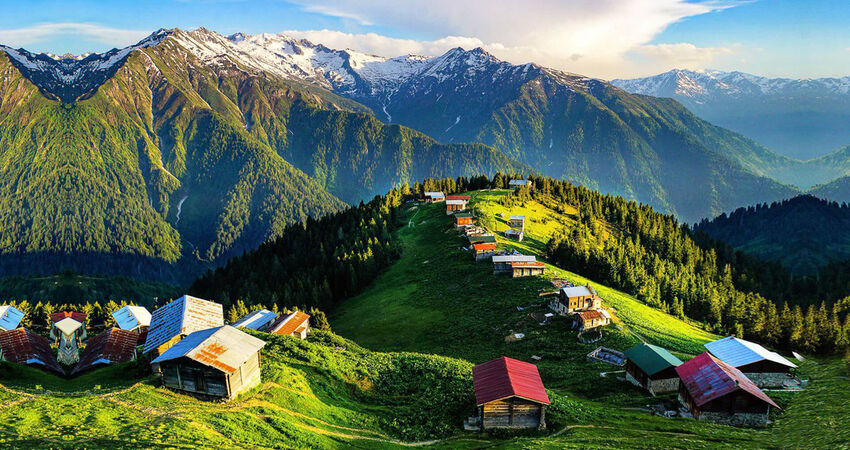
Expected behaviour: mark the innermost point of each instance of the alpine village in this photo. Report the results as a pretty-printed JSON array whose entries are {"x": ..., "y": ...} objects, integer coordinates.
[{"x": 261, "y": 241}]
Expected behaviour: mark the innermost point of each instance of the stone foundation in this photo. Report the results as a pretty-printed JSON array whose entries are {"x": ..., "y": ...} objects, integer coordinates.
[
  {"x": 663, "y": 386},
  {"x": 738, "y": 420},
  {"x": 768, "y": 380}
]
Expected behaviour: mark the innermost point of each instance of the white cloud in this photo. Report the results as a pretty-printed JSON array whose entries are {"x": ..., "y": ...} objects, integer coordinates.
[
  {"x": 21, "y": 37},
  {"x": 594, "y": 37}
]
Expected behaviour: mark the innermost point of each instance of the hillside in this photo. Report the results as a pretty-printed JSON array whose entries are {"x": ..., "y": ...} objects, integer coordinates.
[
  {"x": 162, "y": 166},
  {"x": 559, "y": 124},
  {"x": 800, "y": 232}
]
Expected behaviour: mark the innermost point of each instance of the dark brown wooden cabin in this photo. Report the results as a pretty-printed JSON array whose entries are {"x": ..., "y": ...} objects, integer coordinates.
[{"x": 509, "y": 394}]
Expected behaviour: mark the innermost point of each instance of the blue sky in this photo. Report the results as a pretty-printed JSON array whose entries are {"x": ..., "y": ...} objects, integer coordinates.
[{"x": 603, "y": 38}]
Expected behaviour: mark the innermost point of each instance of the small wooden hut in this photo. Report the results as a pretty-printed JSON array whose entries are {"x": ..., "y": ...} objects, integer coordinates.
[
  {"x": 172, "y": 322},
  {"x": 509, "y": 394},
  {"x": 218, "y": 362},
  {"x": 295, "y": 324},
  {"x": 455, "y": 203},
  {"x": 527, "y": 268},
  {"x": 483, "y": 251},
  {"x": 463, "y": 219},
  {"x": 575, "y": 298},
  {"x": 517, "y": 222},
  {"x": 653, "y": 368},
  {"x": 592, "y": 318},
  {"x": 715, "y": 391}
]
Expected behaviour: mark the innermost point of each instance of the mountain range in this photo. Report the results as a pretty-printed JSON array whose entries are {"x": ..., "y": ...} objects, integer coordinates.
[
  {"x": 196, "y": 146},
  {"x": 804, "y": 119}
]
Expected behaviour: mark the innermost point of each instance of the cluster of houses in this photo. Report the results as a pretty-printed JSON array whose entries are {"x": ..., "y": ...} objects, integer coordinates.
[
  {"x": 723, "y": 384},
  {"x": 581, "y": 302},
  {"x": 191, "y": 347}
]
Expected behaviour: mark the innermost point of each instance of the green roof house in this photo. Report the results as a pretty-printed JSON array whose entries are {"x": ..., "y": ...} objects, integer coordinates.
[{"x": 653, "y": 368}]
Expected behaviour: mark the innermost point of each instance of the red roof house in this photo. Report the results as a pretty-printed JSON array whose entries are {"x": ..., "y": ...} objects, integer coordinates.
[
  {"x": 457, "y": 197},
  {"x": 23, "y": 346},
  {"x": 509, "y": 394},
  {"x": 713, "y": 390},
  {"x": 78, "y": 316},
  {"x": 110, "y": 347}
]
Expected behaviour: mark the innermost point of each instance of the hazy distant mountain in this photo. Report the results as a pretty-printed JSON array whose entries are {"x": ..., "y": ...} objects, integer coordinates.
[
  {"x": 561, "y": 124},
  {"x": 803, "y": 118}
]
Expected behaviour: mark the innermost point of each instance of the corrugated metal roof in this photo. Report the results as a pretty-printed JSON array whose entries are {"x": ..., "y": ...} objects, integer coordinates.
[
  {"x": 484, "y": 246},
  {"x": 527, "y": 264},
  {"x": 224, "y": 348},
  {"x": 738, "y": 352},
  {"x": 110, "y": 347},
  {"x": 513, "y": 258},
  {"x": 256, "y": 320},
  {"x": 456, "y": 202},
  {"x": 457, "y": 197},
  {"x": 707, "y": 378},
  {"x": 185, "y": 315},
  {"x": 130, "y": 317},
  {"x": 506, "y": 377},
  {"x": 590, "y": 314},
  {"x": 68, "y": 326},
  {"x": 10, "y": 317},
  {"x": 652, "y": 359},
  {"x": 577, "y": 291},
  {"x": 287, "y": 325},
  {"x": 23, "y": 346}
]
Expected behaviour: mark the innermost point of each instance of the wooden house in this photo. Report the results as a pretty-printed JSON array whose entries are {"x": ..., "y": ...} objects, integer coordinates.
[
  {"x": 463, "y": 219},
  {"x": 133, "y": 318},
  {"x": 24, "y": 346},
  {"x": 715, "y": 391},
  {"x": 10, "y": 317},
  {"x": 295, "y": 324},
  {"x": 68, "y": 333},
  {"x": 483, "y": 251},
  {"x": 764, "y": 367},
  {"x": 502, "y": 263},
  {"x": 517, "y": 222},
  {"x": 113, "y": 346},
  {"x": 520, "y": 183},
  {"x": 527, "y": 269},
  {"x": 174, "y": 321},
  {"x": 258, "y": 320},
  {"x": 653, "y": 368},
  {"x": 575, "y": 298},
  {"x": 433, "y": 197},
  {"x": 219, "y": 362},
  {"x": 592, "y": 318},
  {"x": 509, "y": 394},
  {"x": 456, "y": 203},
  {"x": 514, "y": 234}
]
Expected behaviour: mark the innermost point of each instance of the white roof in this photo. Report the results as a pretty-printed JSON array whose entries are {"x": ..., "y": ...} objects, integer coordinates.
[
  {"x": 10, "y": 317},
  {"x": 130, "y": 317},
  {"x": 519, "y": 182},
  {"x": 513, "y": 231},
  {"x": 224, "y": 348},
  {"x": 577, "y": 291},
  {"x": 456, "y": 202},
  {"x": 513, "y": 258},
  {"x": 185, "y": 315},
  {"x": 256, "y": 320},
  {"x": 68, "y": 326},
  {"x": 738, "y": 352},
  {"x": 517, "y": 217},
  {"x": 435, "y": 194}
]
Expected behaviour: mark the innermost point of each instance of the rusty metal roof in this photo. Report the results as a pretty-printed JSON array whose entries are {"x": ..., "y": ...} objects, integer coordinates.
[
  {"x": 527, "y": 264},
  {"x": 457, "y": 197},
  {"x": 24, "y": 346},
  {"x": 185, "y": 315},
  {"x": 110, "y": 347},
  {"x": 590, "y": 314},
  {"x": 224, "y": 348},
  {"x": 130, "y": 317},
  {"x": 507, "y": 377},
  {"x": 707, "y": 378},
  {"x": 287, "y": 325},
  {"x": 78, "y": 316},
  {"x": 484, "y": 246},
  {"x": 10, "y": 317}
]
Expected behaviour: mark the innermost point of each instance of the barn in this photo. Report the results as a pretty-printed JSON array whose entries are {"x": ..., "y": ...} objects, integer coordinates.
[
  {"x": 653, "y": 368},
  {"x": 527, "y": 268},
  {"x": 256, "y": 320},
  {"x": 220, "y": 362},
  {"x": 295, "y": 324},
  {"x": 502, "y": 263},
  {"x": 172, "y": 322},
  {"x": 456, "y": 203},
  {"x": 10, "y": 317},
  {"x": 575, "y": 298},
  {"x": 113, "y": 346},
  {"x": 463, "y": 219},
  {"x": 483, "y": 251},
  {"x": 23, "y": 346},
  {"x": 592, "y": 318},
  {"x": 764, "y": 367},
  {"x": 715, "y": 391},
  {"x": 509, "y": 394},
  {"x": 514, "y": 234}
]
